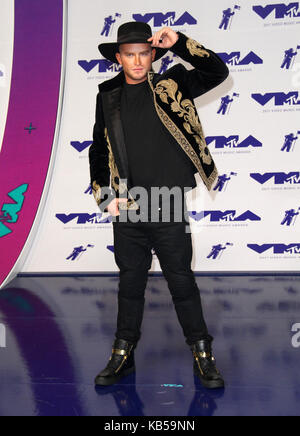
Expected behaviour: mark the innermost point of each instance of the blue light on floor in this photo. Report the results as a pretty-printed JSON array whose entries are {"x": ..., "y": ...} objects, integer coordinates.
[{"x": 59, "y": 332}]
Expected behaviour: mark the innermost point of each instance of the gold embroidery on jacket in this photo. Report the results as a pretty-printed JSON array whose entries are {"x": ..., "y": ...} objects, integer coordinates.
[
  {"x": 96, "y": 189},
  {"x": 180, "y": 138},
  {"x": 112, "y": 166},
  {"x": 195, "y": 48},
  {"x": 121, "y": 186},
  {"x": 186, "y": 110}
]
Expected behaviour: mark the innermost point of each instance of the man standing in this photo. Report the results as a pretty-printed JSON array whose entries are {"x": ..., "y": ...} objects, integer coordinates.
[{"x": 148, "y": 133}]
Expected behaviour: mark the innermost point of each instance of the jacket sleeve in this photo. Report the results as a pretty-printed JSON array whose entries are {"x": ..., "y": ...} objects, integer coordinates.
[
  {"x": 99, "y": 162},
  {"x": 209, "y": 69}
]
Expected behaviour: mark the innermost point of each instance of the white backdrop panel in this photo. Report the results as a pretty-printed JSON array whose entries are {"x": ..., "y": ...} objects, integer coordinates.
[{"x": 251, "y": 224}]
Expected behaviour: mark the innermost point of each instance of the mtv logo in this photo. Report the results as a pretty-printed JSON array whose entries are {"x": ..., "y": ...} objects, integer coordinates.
[
  {"x": 277, "y": 248},
  {"x": 279, "y": 178},
  {"x": 81, "y": 218},
  {"x": 234, "y": 58},
  {"x": 281, "y": 10},
  {"x": 168, "y": 19},
  {"x": 103, "y": 65},
  {"x": 228, "y": 215},
  {"x": 280, "y": 98},
  {"x": 233, "y": 141}
]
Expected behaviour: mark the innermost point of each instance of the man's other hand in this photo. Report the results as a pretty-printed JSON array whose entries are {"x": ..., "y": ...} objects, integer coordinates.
[{"x": 113, "y": 207}]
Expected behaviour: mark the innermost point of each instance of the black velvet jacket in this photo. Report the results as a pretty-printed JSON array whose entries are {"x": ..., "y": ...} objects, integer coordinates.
[{"x": 173, "y": 94}]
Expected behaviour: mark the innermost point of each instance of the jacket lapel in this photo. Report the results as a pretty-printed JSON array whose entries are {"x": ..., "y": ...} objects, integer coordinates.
[{"x": 113, "y": 122}]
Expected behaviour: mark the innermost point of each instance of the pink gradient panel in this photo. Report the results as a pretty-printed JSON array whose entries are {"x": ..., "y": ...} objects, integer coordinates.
[{"x": 25, "y": 154}]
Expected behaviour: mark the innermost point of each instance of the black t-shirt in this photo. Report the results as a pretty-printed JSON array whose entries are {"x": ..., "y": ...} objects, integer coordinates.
[{"x": 155, "y": 158}]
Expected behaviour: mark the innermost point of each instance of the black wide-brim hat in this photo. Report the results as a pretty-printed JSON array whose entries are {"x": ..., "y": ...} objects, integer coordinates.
[{"x": 130, "y": 33}]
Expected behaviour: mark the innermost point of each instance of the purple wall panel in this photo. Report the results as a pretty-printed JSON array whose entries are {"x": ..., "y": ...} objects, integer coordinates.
[{"x": 34, "y": 96}]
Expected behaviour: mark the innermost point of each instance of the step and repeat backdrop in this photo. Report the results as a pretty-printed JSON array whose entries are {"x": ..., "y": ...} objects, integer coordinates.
[{"x": 250, "y": 221}]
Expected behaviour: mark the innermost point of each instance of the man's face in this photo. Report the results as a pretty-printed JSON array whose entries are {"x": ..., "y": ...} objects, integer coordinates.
[{"x": 136, "y": 60}]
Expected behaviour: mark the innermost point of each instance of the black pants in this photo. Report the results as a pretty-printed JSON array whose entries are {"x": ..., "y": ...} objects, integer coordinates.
[{"x": 133, "y": 243}]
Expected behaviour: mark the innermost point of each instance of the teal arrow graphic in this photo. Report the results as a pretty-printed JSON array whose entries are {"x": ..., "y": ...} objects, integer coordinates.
[{"x": 11, "y": 210}]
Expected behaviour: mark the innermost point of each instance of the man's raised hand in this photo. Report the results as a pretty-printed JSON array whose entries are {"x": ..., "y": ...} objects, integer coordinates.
[{"x": 166, "y": 35}]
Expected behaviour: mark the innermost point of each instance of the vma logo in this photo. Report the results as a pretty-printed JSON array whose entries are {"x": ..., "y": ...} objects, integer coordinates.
[
  {"x": 279, "y": 98},
  {"x": 278, "y": 178},
  {"x": 81, "y": 218},
  {"x": 169, "y": 19},
  {"x": 276, "y": 248},
  {"x": 102, "y": 65},
  {"x": 235, "y": 58},
  {"x": 233, "y": 141},
  {"x": 10, "y": 211},
  {"x": 280, "y": 10},
  {"x": 228, "y": 215}
]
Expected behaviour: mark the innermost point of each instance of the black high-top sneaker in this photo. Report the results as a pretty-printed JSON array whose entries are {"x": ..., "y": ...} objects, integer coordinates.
[
  {"x": 120, "y": 364},
  {"x": 205, "y": 365}
]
